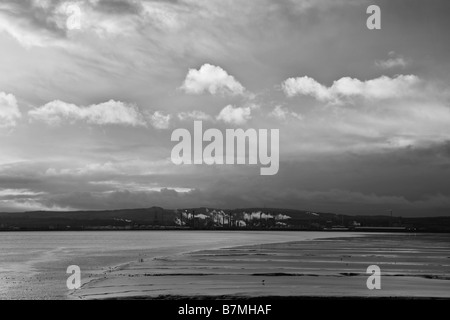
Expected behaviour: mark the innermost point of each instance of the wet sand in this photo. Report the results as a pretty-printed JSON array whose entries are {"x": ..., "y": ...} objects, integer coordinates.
[
  {"x": 411, "y": 266},
  {"x": 33, "y": 264}
]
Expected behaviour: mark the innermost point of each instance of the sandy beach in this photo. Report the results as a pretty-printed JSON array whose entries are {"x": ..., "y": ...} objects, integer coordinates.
[{"x": 412, "y": 265}]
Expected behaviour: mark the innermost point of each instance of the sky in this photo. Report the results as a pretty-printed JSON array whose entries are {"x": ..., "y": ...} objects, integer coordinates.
[{"x": 91, "y": 91}]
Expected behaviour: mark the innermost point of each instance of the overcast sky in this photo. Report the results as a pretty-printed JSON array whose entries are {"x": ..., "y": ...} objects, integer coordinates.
[{"x": 86, "y": 114}]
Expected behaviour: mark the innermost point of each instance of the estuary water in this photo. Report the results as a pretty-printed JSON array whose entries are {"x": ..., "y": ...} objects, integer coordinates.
[{"x": 33, "y": 264}]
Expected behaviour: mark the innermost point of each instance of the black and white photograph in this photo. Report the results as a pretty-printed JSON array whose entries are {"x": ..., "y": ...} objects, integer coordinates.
[{"x": 241, "y": 152}]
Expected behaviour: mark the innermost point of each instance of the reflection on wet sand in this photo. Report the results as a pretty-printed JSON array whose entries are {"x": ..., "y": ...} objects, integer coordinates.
[{"x": 411, "y": 266}]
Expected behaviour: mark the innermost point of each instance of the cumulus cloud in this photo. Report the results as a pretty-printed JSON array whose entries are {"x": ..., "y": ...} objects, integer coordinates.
[
  {"x": 9, "y": 111},
  {"x": 212, "y": 79},
  {"x": 235, "y": 115},
  {"x": 379, "y": 88},
  {"x": 106, "y": 113},
  {"x": 393, "y": 61},
  {"x": 160, "y": 120},
  {"x": 283, "y": 114}
]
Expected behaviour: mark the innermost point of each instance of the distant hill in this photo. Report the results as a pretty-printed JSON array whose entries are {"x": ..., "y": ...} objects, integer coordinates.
[{"x": 211, "y": 218}]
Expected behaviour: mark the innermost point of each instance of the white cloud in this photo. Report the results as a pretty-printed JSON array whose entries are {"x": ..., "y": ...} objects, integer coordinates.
[
  {"x": 160, "y": 120},
  {"x": 305, "y": 86},
  {"x": 5, "y": 193},
  {"x": 379, "y": 88},
  {"x": 283, "y": 114},
  {"x": 212, "y": 79},
  {"x": 106, "y": 113},
  {"x": 235, "y": 115},
  {"x": 194, "y": 115},
  {"x": 9, "y": 111},
  {"x": 393, "y": 61}
]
